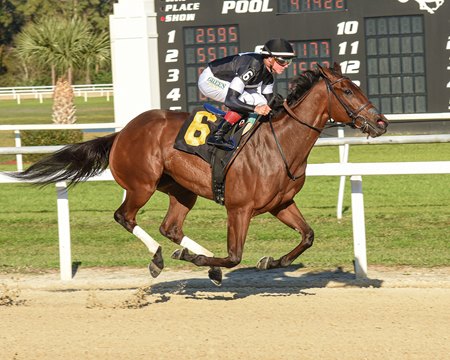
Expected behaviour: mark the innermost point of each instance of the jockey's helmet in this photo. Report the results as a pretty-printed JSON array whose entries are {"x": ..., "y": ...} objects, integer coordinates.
[{"x": 279, "y": 48}]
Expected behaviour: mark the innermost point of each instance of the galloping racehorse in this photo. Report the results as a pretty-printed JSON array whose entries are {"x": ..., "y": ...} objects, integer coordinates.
[{"x": 265, "y": 176}]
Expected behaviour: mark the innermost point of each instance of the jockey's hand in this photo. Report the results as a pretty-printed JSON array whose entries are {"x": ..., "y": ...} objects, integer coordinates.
[{"x": 263, "y": 109}]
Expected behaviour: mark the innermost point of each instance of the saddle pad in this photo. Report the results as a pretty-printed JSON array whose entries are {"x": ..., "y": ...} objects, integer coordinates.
[{"x": 194, "y": 132}]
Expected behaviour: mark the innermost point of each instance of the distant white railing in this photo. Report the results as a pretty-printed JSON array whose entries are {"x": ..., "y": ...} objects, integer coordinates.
[{"x": 19, "y": 93}]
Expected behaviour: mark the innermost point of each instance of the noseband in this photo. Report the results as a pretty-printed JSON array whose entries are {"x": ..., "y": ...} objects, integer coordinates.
[{"x": 352, "y": 114}]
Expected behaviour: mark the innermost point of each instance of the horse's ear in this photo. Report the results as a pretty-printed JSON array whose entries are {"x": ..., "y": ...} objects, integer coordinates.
[
  {"x": 337, "y": 68},
  {"x": 325, "y": 71},
  {"x": 321, "y": 69}
]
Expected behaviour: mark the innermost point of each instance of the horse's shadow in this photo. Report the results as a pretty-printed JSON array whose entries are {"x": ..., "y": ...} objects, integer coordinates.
[{"x": 241, "y": 283}]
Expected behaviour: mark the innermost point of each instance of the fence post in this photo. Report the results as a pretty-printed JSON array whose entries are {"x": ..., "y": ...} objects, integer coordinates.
[
  {"x": 18, "y": 142},
  {"x": 359, "y": 227},
  {"x": 65, "y": 255},
  {"x": 343, "y": 158}
]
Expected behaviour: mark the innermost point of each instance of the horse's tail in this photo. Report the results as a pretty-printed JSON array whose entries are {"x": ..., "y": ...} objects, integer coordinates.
[{"x": 73, "y": 163}]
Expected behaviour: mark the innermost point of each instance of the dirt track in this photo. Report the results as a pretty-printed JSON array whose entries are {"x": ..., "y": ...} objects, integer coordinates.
[{"x": 292, "y": 314}]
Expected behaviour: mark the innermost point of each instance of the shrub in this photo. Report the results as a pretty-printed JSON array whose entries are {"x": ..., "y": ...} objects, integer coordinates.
[{"x": 48, "y": 138}]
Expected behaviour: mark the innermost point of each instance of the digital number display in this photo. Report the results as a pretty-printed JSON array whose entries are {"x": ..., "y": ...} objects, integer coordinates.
[
  {"x": 398, "y": 52},
  {"x": 308, "y": 55},
  {"x": 296, "y": 6},
  {"x": 201, "y": 46}
]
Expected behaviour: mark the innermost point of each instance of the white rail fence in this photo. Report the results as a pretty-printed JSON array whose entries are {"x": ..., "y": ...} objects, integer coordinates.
[
  {"x": 19, "y": 93},
  {"x": 45, "y": 149},
  {"x": 354, "y": 170}
]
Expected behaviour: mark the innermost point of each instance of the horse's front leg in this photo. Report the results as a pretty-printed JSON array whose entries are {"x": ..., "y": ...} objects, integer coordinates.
[
  {"x": 290, "y": 215},
  {"x": 238, "y": 223}
]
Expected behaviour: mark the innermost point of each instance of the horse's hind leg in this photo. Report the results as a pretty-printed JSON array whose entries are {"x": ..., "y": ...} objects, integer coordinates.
[
  {"x": 290, "y": 215},
  {"x": 181, "y": 202},
  {"x": 125, "y": 215},
  {"x": 238, "y": 223}
]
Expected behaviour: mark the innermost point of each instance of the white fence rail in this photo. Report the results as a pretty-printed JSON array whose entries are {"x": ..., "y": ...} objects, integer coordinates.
[
  {"x": 354, "y": 170},
  {"x": 19, "y": 93},
  {"x": 18, "y": 139}
]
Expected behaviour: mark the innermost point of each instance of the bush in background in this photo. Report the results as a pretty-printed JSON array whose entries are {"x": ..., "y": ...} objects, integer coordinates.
[{"x": 48, "y": 138}]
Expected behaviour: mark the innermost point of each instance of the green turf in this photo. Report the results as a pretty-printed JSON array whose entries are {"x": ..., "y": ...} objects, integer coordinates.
[
  {"x": 30, "y": 111},
  {"x": 407, "y": 221}
]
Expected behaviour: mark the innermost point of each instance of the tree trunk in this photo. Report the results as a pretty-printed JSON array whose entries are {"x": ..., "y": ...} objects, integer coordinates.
[
  {"x": 53, "y": 75},
  {"x": 70, "y": 75},
  {"x": 88, "y": 75},
  {"x": 63, "y": 104},
  {"x": 26, "y": 74}
]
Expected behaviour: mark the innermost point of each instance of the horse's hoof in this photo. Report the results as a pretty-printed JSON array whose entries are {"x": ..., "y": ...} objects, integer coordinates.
[
  {"x": 157, "y": 264},
  {"x": 154, "y": 270},
  {"x": 264, "y": 263},
  {"x": 176, "y": 255},
  {"x": 179, "y": 254},
  {"x": 215, "y": 274}
]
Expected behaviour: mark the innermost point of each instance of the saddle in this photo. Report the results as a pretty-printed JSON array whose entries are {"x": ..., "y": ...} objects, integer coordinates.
[{"x": 192, "y": 139}]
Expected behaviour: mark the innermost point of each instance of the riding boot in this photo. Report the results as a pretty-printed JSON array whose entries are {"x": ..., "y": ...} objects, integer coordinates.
[{"x": 217, "y": 138}]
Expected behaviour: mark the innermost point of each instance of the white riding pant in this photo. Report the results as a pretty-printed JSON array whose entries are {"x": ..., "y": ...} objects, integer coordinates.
[{"x": 217, "y": 89}]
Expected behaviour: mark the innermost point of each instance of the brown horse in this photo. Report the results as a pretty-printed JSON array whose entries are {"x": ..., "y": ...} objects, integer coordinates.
[{"x": 265, "y": 176}]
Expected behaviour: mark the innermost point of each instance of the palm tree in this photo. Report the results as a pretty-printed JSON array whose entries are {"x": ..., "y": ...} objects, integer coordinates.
[
  {"x": 55, "y": 42},
  {"x": 96, "y": 51},
  {"x": 36, "y": 45},
  {"x": 71, "y": 43}
]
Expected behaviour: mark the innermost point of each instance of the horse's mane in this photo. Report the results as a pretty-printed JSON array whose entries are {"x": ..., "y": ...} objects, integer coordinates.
[{"x": 298, "y": 86}]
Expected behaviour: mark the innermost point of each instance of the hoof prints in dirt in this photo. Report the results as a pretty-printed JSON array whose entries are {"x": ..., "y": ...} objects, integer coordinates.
[
  {"x": 10, "y": 297},
  {"x": 137, "y": 300}
]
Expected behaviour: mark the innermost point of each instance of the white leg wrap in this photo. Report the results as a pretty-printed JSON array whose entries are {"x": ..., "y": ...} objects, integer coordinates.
[
  {"x": 194, "y": 247},
  {"x": 151, "y": 244}
]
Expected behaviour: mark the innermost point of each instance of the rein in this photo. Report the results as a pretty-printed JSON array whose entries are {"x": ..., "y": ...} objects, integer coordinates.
[
  {"x": 292, "y": 114},
  {"x": 353, "y": 114},
  {"x": 295, "y": 117},
  {"x": 291, "y": 176}
]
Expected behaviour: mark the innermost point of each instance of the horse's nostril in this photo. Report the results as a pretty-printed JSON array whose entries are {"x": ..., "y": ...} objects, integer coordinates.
[{"x": 381, "y": 123}]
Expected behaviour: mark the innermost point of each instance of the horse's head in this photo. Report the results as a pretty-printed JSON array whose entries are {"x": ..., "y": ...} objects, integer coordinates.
[{"x": 348, "y": 104}]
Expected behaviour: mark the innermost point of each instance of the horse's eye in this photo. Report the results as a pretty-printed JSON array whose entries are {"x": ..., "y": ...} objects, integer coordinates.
[{"x": 348, "y": 92}]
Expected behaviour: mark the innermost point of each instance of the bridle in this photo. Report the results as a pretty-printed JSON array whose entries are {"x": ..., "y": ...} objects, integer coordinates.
[{"x": 352, "y": 114}]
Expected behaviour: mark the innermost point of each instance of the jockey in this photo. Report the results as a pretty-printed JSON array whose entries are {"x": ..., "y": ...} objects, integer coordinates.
[{"x": 244, "y": 83}]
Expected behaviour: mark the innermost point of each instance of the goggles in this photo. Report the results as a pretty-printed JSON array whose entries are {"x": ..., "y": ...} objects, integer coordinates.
[{"x": 282, "y": 61}]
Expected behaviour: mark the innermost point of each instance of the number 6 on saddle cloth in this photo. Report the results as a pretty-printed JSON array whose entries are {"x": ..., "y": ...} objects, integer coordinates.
[{"x": 192, "y": 139}]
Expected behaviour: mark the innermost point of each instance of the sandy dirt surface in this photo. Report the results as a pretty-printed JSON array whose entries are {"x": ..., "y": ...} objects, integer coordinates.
[{"x": 294, "y": 313}]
